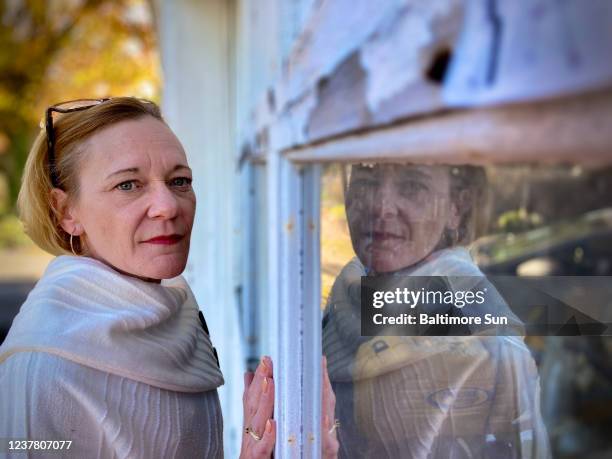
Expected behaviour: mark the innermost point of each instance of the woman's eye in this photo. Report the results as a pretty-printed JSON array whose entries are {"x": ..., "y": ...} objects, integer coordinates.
[
  {"x": 181, "y": 182},
  {"x": 412, "y": 187},
  {"x": 128, "y": 185}
]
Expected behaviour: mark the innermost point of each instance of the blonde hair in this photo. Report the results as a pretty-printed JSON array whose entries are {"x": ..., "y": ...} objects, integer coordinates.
[
  {"x": 36, "y": 211},
  {"x": 474, "y": 207}
]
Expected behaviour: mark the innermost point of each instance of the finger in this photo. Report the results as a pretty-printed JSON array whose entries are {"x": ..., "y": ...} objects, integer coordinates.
[
  {"x": 264, "y": 369},
  {"x": 265, "y": 407},
  {"x": 252, "y": 394},
  {"x": 325, "y": 372},
  {"x": 248, "y": 379},
  {"x": 329, "y": 439},
  {"x": 324, "y": 390},
  {"x": 264, "y": 447},
  {"x": 329, "y": 445},
  {"x": 268, "y": 360},
  {"x": 328, "y": 404}
]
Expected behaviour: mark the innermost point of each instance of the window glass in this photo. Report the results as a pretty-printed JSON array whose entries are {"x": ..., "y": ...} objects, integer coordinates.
[{"x": 535, "y": 242}]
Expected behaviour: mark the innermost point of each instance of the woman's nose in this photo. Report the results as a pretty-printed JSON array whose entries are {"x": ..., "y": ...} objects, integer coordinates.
[
  {"x": 163, "y": 202},
  {"x": 385, "y": 201}
]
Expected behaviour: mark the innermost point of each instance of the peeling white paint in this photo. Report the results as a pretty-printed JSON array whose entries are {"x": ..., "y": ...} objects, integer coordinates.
[
  {"x": 292, "y": 124},
  {"x": 334, "y": 30},
  {"x": 546, "y": 48},
  {"x": 388, "y": 68},
  {"x": 570, "y": 130},
  {"x": 393, "y": 59},
  {"x": 395, "y": 39}
]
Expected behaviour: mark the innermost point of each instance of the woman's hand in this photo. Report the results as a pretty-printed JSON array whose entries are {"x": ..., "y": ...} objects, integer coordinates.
[
  {"x": 329, "y": 437},
  {"x": 258, "y": 407}
]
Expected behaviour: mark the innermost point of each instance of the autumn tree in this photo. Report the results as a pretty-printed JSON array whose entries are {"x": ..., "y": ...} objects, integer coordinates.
[{"x": 65, "y": 49}]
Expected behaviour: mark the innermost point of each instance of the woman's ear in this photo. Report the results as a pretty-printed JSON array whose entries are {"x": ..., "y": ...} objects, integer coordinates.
[{"x": 65, "y": 212}]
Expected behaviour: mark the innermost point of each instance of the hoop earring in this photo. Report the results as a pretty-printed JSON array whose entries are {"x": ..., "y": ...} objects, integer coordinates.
[
  {"x": 452, "y": 236},
  {"x": 72, "y": 247}
]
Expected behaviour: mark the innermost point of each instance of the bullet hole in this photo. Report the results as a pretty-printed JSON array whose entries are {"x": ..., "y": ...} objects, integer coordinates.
[
  {"x": 322, "y": 84},
  {"x": 439, "y": 65}
]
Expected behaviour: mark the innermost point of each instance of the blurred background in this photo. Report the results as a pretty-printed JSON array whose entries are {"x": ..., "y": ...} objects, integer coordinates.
[{"x": 51, "y": 52}]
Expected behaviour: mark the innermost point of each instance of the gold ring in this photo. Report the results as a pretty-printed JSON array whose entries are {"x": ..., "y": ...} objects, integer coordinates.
[
  {"x": 334, "y": 426},
  {"x": 252, "y": 433}
]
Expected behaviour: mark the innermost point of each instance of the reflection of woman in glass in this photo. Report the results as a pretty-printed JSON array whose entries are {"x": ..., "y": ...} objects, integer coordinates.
[{"x": 424, "y": 396}]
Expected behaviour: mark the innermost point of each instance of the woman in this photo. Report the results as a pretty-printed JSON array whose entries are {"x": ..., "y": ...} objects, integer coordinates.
[
  {"x": 426, "y": 396},
  {"x": 108, "y": 355}
]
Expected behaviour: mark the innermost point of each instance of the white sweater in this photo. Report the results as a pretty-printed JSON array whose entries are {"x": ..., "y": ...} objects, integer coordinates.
[
  {"x": 430, "y": 396},
  {"x": 119, "y": 366}
]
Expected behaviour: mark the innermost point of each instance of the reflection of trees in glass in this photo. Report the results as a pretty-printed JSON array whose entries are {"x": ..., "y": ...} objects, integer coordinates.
[
  {"x": 525, "y": 197},
  {"x": 66, "y": 49},
  {"x": 550, "y": 215},
  {"x": 336, "y": 249}
]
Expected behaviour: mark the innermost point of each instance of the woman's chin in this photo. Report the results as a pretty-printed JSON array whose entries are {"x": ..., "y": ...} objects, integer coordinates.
[
  {"x": 165, "y": 263},
  {"x": 167, "y": 270},
  {"x": 384, "y": 268},
  {"x": 157, "y": 268},
  {"x": 390, "y": 263}
]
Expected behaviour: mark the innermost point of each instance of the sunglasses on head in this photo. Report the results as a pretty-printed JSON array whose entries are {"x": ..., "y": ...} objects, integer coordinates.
[{"x": 63, "y": 107}]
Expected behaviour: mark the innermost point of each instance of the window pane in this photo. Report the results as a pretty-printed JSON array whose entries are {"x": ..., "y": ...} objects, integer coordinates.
[{"x": 537, "y": 385}]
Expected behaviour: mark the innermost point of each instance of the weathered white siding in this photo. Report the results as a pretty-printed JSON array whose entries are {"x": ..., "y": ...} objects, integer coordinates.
[{"x": 196, "y": 40}]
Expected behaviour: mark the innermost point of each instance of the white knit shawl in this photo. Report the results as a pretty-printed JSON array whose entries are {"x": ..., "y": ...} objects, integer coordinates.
[{"x": 85, "y": 311}]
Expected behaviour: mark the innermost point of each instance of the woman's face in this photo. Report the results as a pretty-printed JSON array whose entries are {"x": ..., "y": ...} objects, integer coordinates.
[
  {"x": 397, "y": 213},
  {"x": 135, "y": 206}
]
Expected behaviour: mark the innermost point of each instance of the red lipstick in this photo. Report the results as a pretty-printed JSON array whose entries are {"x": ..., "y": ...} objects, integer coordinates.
[{"x": 166, "y": 239}]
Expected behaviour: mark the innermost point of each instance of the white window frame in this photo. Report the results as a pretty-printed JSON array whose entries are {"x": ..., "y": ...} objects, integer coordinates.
[
  {"x": 558, "y": 131},
  {"x": 293, "y": 244}
]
